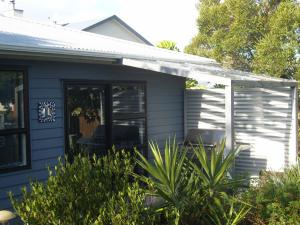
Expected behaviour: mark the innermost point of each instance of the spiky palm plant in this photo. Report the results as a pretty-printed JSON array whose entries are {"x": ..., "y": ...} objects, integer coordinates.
[
  {"x": 195, "y": 190},
  {"x": 217, "y": 206},
  {"x": 169, "y": 178}
]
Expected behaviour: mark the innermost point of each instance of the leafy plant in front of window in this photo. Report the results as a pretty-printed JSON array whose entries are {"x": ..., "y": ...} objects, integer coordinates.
[{"x": 87, "y": 191}]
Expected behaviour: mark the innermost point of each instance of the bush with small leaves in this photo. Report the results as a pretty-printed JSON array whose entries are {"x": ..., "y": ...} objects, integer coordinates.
[
  {"x": 87, "y": 191},
  {"x": 276, "y": 199}
]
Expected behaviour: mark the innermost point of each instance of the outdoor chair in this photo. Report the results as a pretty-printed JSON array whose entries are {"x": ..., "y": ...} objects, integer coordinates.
[{"x": 208, "y": 137}]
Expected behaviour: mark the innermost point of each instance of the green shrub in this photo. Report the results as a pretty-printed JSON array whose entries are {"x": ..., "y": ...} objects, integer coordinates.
[
  {"x": 86, "y": 191},
  {"x": 194, "y": 191},
  {"x": 276, "y": 199}
]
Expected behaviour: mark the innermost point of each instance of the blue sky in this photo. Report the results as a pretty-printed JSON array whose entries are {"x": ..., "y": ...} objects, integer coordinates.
[{"x": 154, "y": 19}]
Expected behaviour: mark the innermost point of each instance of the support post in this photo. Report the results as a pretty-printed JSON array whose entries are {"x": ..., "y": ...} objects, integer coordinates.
[
  {"x": 185, "y": 112},
  {"x": 229, "y": 117},
  {"x": 293, "y": 149}
]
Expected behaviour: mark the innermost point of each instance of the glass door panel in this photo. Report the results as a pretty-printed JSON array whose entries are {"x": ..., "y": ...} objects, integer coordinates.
[
  {"x": 129, "y": 116},
  {"x": 129, "y": 133},
  {"x": 86, "y": 131}
]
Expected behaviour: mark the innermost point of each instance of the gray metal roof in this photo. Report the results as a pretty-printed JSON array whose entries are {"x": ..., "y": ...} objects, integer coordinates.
[{"x": 24, "y": 37}]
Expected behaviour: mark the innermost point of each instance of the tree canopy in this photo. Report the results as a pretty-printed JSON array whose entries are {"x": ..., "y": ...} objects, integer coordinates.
[{"x": 262, "y": 36}]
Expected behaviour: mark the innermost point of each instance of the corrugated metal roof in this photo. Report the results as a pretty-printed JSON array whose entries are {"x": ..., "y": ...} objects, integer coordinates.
[
  {"x": 22, "y": 36},
  {"x": 19, "y": 34}
]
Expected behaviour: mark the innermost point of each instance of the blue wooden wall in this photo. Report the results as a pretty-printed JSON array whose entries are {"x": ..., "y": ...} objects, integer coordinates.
[{"x": 165, "y": 95}]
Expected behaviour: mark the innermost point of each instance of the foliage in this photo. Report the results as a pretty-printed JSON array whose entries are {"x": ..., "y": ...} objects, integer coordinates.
[
  {"x": 215, "y": 201},
  {"x": 259, "y": 36},
  {"x": 169, "y": 178},
  {"x": 88, "y": 191},
  {"x": 189, "y": 190},
  {"x": 197, "y": 190},
  {"x": 191, "y": 83},
  {"x": 171, "y": 45},
  {"x": 276, "y": 199}
]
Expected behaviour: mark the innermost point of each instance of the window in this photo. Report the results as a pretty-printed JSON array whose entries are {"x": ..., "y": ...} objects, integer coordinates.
[
  {"x": 13, "y": 121},
  {"x": 101, "y": 114}
]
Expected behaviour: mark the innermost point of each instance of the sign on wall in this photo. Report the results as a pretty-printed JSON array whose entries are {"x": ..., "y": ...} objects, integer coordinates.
[{"x": 46, "y": 111}]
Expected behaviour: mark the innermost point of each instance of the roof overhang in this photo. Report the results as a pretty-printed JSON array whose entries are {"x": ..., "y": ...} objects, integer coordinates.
[
  {"x": 212, "y": 73},
  {"x": 21, "y": 52}
]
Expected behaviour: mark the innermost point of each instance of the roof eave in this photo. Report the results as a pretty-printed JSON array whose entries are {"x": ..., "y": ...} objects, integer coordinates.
[
  {"x": 203, "y": 74},
  {"x": 56, "y": 54}
]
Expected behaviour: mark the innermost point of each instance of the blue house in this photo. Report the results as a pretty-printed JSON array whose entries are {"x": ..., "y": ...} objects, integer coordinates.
[{"x": 63, "y": 90}]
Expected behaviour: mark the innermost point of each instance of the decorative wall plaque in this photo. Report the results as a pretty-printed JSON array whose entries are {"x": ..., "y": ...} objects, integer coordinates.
[{"x": 46, "y": 112}]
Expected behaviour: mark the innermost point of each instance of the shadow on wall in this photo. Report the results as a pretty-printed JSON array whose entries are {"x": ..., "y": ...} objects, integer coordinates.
[{"x": 247, "y": 164}]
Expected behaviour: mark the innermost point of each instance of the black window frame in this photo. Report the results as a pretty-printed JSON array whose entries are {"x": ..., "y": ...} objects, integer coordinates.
[
  {"x": 109, "y": 117},
  {"x": 26, "y": 129}
]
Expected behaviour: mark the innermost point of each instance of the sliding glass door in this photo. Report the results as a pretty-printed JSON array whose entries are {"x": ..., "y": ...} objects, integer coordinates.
[{"x": 99, "y": 116}]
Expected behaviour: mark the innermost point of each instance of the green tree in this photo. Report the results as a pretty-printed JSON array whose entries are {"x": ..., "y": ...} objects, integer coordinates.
[
  {"x": 261, "y": 36},
  {"x": 171, "y": 45}
]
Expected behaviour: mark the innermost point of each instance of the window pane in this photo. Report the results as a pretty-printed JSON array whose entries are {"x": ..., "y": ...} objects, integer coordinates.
[
  {"x": 86, "y": 119},
  {"x": 128, "y": 99},
  {"x": 12, "y": 150},
  {"x": 11, "y": 100},
  {"x": 128, "y": 133}
]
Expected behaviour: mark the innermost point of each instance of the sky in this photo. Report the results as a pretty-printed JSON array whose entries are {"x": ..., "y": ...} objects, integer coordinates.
[{"x": 156, "y": 20}]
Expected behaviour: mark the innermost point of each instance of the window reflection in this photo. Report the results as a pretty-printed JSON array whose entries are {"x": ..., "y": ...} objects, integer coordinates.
[
  {"x": 93, "y": 126},
  {"x": 86, "y": 131},
  {"x": 12, "y": 124},
  {"x": 12, "y": 150},
  {"x": 128, "y": 99},
  {"x": 11, "y": 100},
  {"x": 129, "y": 133}
]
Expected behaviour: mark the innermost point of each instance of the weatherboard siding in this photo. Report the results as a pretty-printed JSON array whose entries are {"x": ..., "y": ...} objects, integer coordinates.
[{"x": 165, "y": 95}]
